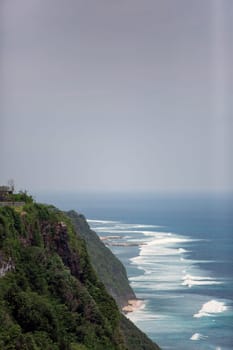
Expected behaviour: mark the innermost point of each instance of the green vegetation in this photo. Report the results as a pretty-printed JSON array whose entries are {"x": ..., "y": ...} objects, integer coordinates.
[
  {"x": 108, "y": 268},
  {"x": 134, "y": 338},
  {"x": 22, "y": 196},
  {"x": 50, "y": 296},
  {"x": 113, "y": 275}
]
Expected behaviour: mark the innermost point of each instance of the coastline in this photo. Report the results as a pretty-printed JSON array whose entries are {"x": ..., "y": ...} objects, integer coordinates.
[{"x": 133, "y": 305}]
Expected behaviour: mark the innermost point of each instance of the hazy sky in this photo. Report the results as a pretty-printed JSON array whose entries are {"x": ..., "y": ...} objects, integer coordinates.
[{"x": 116, "y": 94}]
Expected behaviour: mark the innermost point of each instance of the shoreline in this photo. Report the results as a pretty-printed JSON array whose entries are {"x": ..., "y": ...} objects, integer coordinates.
[{"x": 133, "y": 305}]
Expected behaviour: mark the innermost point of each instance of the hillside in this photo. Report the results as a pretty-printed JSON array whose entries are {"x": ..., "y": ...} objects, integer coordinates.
[
  {"x": 108, "y": 268},
  {"x": 50, "y": 296},
  {"x": 113, "y": 275}
]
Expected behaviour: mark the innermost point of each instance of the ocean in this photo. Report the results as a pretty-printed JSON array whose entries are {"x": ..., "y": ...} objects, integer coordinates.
[{"x": 178, "y": 253}]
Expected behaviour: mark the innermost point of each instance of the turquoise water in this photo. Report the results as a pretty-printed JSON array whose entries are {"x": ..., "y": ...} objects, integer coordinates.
[{"x": 177, "y": 250}]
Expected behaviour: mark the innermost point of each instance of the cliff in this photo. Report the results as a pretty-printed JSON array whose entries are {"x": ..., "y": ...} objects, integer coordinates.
[
  {"x": 108, "y": 268},
  {"x": 50, "y": 295}
]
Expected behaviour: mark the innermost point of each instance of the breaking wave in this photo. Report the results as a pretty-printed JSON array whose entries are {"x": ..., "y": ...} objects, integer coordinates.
[
  {"x": 211, "y": 308},
  {"x": 189, "y": 280},
  {"x": 198, "y": 336}
]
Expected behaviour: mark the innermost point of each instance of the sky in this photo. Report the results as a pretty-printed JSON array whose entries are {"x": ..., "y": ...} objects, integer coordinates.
[{"x": 125, "y": 95}]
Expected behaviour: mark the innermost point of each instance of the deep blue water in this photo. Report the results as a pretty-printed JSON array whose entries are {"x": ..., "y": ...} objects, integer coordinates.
[{"x": 178, "y": 252}]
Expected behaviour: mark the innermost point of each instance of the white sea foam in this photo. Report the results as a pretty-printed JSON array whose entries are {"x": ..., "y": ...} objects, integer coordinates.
[
  {"x": 92, "y": 221},
  {"x": 116, "y": 230},
  {"x": 154, "y": 233},
  {"x": 189, "y": 280},
  {"x": 161, "y": 256},
  {"x": 143, "y": 226},
  {"x": 116, "y": 226},
  {"x": 198, "y": 336},
  {"x": 121, "y": 225},
  {"x": 211, "y": 308},
  {"x": 168, "y": 240},
  {"x": 181, "y": 250},
  {"x": 161, "y": 244}
]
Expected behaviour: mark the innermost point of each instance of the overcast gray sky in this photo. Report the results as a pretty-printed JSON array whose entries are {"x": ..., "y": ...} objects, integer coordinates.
[{"x": 116, "y": 94}]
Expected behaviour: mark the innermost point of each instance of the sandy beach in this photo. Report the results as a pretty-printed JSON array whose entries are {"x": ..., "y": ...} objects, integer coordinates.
[{"x": 133, "y": 305}]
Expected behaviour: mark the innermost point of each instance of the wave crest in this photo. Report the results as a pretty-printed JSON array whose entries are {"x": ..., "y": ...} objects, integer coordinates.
[
  {"x": 211, "y": 308},
  {"x": 189, "y": 280},
  {"x": 198, "y": 336}
]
